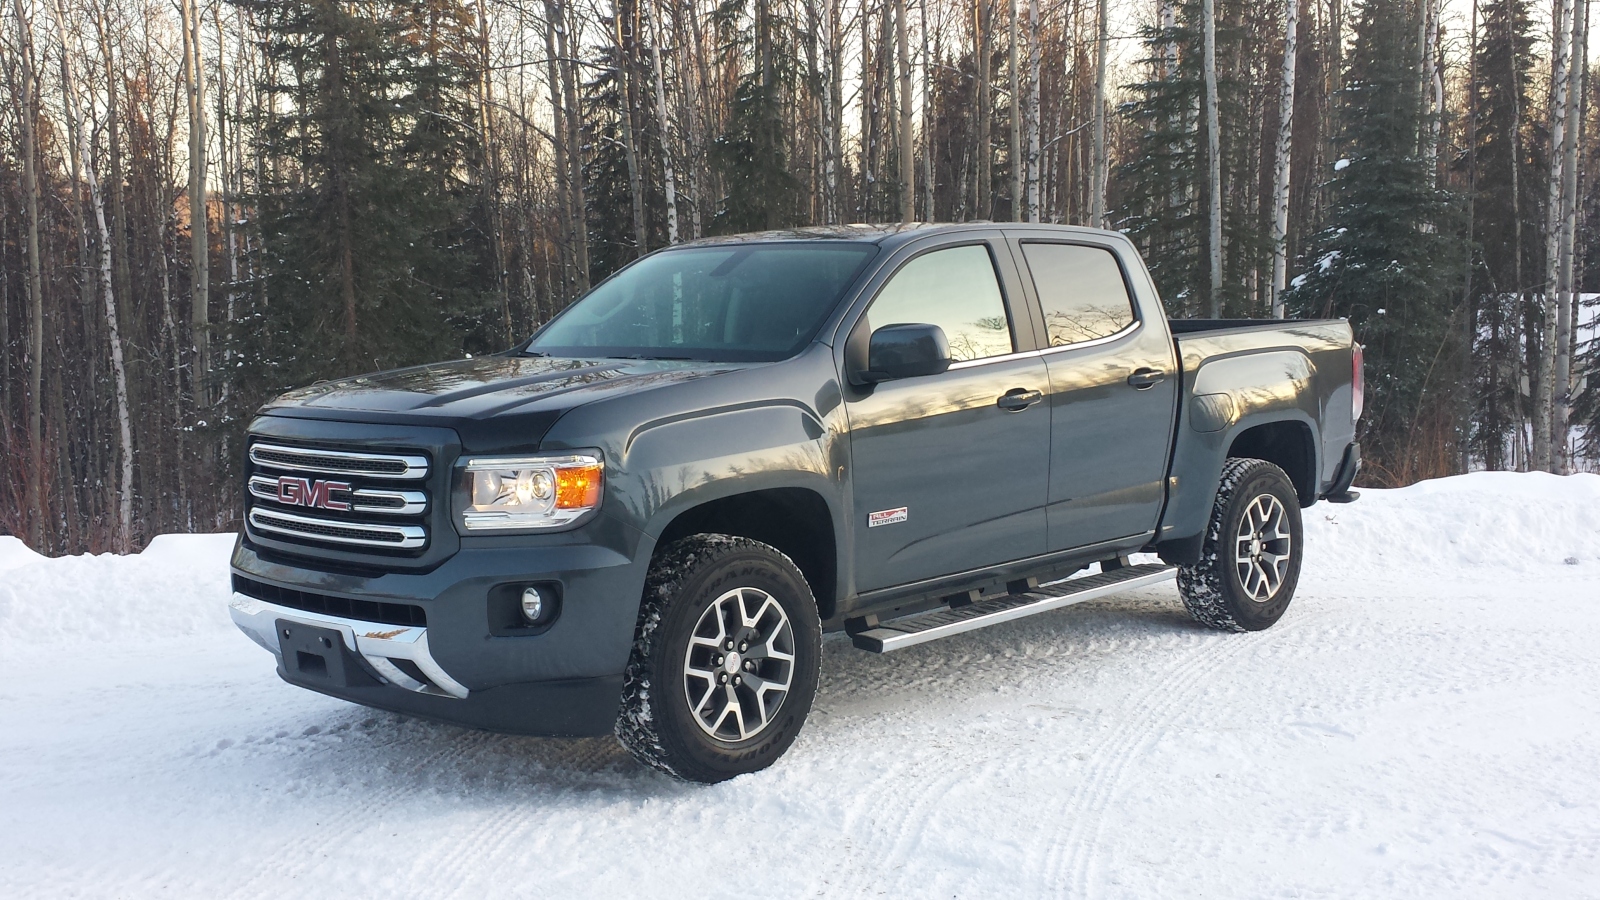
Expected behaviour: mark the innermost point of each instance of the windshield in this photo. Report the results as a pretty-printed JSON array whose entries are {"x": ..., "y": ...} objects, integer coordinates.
[{"x": 739, "y": 303}]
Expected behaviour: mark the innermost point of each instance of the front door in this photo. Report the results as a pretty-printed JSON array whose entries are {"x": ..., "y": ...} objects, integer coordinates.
[
  {"x": 950, "y": 470},
  {"x": 1112, "y": 384}
]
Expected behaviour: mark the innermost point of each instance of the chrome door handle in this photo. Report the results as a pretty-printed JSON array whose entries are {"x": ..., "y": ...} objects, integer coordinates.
[
  {"x": 1018, "y": 399},
  {"x": 1144, "y": 379}
]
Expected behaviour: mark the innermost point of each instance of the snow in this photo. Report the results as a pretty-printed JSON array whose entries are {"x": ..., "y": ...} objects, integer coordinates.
[
  {"x": 1423, "y": 722},
  {"x": 1341, "y": 165}
]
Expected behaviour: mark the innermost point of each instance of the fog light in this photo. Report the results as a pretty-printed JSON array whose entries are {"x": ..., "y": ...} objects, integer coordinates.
[{"x": 532, "y": 604}]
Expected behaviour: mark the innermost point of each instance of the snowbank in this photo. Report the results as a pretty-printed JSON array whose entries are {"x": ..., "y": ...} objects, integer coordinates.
[
  {"x": 1454, "y": 528},
  {"x": 178, "y": 586}
]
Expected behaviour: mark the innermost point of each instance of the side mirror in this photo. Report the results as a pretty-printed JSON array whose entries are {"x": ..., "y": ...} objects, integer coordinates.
[{"x": 906, "y": 351}]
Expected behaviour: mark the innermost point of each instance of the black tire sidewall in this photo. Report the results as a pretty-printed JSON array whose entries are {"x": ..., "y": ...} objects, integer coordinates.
[
  {"x": 693, "y": 753},
  {"x": 1250, "y": 614}
]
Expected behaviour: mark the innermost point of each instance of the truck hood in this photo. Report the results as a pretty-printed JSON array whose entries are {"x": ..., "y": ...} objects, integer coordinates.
[{"x": 493, "y": 402}]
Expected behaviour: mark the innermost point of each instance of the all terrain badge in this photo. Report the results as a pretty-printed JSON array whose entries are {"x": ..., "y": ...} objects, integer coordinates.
[{"x": 886, "y": 517}]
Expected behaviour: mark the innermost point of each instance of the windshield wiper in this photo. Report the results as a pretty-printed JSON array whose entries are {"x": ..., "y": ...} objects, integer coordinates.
[{"x": 677, "y": 358}]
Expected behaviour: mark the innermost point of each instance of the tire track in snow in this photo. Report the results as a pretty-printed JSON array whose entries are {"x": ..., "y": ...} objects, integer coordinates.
[
  {"x": 1156, "y": 707},
  {"x": 361, "y": 807}
]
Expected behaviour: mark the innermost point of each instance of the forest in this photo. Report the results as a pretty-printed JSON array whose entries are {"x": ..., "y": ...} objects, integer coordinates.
[{"x": 206, "y": 202}]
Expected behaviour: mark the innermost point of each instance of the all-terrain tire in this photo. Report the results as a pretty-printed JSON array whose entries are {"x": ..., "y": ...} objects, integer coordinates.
[
  {"x": 1215, "y": 589},
  {"x": 687, "y": 579}
]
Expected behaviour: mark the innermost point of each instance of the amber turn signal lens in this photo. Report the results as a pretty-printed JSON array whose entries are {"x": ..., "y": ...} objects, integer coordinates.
[{"x": 577, "y": 487}]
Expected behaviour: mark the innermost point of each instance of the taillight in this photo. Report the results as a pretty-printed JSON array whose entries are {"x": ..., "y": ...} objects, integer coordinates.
[{"x": 1358, "y": 386}]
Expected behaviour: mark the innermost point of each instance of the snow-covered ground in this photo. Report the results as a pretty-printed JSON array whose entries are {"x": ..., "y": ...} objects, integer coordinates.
[{"x": 1425, "y": 722}]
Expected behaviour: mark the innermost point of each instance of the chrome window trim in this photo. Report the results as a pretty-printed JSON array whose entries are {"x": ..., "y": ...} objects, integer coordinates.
[
  {"x": 414, "y": 502},
  {"x": 1128, "y": 329},
  {"x": 327, "y": 462},
  {"x": 411, "y": 536}
]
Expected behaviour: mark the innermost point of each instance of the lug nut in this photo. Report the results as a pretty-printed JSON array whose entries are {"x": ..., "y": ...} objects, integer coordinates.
[
  {"x": 728, "y": 646},
  {"x": 722, "y": 679},
  {"x": 749, "y": 665},
  {"x": 719, "y": 660},
  {"x": 737, "y": 680},
  {"x": 744, "y": 647}
]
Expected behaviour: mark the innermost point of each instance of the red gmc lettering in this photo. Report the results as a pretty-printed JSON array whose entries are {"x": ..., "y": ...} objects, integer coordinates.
[{"x": 315, "y": 494}]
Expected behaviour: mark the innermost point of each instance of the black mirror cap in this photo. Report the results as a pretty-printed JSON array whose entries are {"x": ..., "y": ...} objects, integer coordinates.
[{"x": 906, "y": 351}]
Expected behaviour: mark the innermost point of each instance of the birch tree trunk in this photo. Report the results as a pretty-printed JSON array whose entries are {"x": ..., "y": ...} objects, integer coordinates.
[
  {"x": 1031, "y": 111},
  {"x": 1014, "y": 66},
  {"x": 908, "y": 171},
  {"x": 1097, "y": 188},
  {"x": 30, "y": 191},
  {"x": 1281, "y": 161},
  {"x": 569, "y": 85},
  {"x": 1544, "y": 391},
  {"x": 1208, "y": 13},
  {"x": 558, "y": 142},
  {"x": 663, "y": 124},
  {"x": 985, "y": 177},
  {"x": 1566, "y": 287},
  {"x": 629, "y": 145},
  {"x": 124, "y": 536},
  {"x": 199, "y": 245}
]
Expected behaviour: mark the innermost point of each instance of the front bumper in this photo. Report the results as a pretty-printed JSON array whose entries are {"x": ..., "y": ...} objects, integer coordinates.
[{"x": 564, "y": 679}]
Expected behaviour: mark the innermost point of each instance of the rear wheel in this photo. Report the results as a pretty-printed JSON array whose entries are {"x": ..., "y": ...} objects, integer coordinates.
[
  {"x": 1250, "y": 561},
  {"x": 724, "y": 662}
]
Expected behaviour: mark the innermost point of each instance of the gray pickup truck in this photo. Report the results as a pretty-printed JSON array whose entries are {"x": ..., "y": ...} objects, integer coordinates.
[{"x": 644, "y": 518}]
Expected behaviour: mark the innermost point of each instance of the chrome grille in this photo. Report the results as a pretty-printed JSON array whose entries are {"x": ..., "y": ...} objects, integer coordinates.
[
  {"x": 377, "y": 501},
  {"x": 337, "y": 462}
]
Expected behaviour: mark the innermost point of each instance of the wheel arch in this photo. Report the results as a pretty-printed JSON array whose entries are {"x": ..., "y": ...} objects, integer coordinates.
[
  {"x": 797, "y": 521},
  {"x": 1287, "y": 444}
]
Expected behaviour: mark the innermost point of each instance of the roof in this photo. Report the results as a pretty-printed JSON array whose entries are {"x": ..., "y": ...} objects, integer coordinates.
[{"x": 886, "y": 234}]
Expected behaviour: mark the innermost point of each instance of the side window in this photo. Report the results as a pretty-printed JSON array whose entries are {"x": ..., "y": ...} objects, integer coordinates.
[
  {"x": 1081, "y": 290},
  {"x": 955, "y": 289}
]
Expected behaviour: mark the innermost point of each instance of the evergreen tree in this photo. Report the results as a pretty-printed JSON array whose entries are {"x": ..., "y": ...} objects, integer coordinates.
[
  {"x": 1387, "y": 259},
  {"x": 1509, "y": 212},
  {"x": 752, "y": 154},
  {"x": 372, "y": 251}
]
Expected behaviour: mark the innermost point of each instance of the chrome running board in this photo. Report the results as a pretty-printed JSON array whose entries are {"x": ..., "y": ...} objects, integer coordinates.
[
  {"x": 377, "y": 643},
  {"x": 919, "y": 629}
]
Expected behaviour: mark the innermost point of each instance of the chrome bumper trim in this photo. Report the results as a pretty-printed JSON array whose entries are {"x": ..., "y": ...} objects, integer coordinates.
[
  {"x": 362, "y": 500},
  {"x": 409, "y": 537},
  {"x": 377, "y": 643}
]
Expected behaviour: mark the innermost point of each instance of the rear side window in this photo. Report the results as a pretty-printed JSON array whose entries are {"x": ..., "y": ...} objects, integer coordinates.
[
  {"x": 955, "y": 289},
  {"x": 1081, "y": 290}
]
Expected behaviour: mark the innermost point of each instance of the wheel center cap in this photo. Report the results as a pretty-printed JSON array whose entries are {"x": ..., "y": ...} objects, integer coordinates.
[
  {"x": 731, "y": 663},
  {"x": 1255, "y": 546}
]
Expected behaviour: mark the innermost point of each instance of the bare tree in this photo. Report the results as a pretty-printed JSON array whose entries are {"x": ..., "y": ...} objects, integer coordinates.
[
  {"x": 30, "y": 191},
  {"x": 1281, "y": 157},
  {"x": 1208, "y": 13},
  {"x": 124, "y": 535},
  {"x": 1544, "y": 391},
  {"x": 908, "y": 166},
  {"x": 669, "y": 183},
  {"x": 1097, "y": 186},
  {"x": 199, "y": 231}
]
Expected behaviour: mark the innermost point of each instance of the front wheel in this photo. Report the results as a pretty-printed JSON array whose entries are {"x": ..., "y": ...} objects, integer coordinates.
[
  {"x": 1250, "y": 561},
  {"x": 725, "y": 659}
]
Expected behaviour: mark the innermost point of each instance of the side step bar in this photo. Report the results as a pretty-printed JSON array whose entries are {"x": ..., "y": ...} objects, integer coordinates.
[{"x": 912, "y": 630}]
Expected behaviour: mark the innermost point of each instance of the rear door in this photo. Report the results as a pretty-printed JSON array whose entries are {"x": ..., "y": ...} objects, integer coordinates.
[
  {"x": 946, "y": 477},
  {"x": 1113, "y": 383}
]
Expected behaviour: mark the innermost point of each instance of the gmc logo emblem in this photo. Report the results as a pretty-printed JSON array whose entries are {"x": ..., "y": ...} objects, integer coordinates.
[{"x": 315, "y": 494}]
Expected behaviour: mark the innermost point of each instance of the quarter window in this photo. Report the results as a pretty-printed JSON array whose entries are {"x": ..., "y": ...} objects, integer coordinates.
[
  {"x": 955, "y": 289},
  {"x": 1081, "y": 290}
]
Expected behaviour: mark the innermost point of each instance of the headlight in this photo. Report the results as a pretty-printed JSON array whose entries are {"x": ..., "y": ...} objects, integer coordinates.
[{"x": 530, "y": 491}]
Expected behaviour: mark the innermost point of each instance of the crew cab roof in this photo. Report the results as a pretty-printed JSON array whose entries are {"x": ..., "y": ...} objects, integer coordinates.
[{"x": 889, "y": 235}]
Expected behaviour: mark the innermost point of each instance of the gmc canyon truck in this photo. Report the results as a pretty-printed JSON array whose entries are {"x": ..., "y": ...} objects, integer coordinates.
[{"x": 643, "y": 519}]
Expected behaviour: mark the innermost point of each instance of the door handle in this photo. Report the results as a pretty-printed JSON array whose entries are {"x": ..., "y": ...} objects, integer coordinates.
[
  {"x": 1143, "y": 379},
  {"x": 1018, "y": 399}
]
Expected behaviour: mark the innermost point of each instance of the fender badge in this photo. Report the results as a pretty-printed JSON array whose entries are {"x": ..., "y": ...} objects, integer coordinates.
[{"x": 886, "y": 517}]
